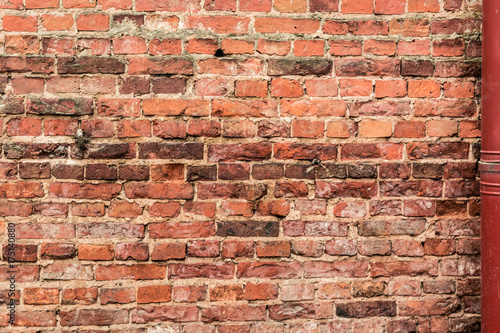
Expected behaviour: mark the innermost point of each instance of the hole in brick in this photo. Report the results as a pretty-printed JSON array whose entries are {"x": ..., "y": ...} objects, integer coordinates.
[{"x": 219, "y": 53}]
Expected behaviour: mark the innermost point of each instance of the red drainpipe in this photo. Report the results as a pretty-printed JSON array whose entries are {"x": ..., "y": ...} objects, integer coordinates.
[{"x": 490, "y": 169}]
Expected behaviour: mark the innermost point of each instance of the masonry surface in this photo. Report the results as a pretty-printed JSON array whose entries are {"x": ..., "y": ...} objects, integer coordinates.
[{"x": 245, "y": 165}]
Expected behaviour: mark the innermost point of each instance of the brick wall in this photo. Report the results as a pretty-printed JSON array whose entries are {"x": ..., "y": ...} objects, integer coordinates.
[{"x": 245, "y": 165}]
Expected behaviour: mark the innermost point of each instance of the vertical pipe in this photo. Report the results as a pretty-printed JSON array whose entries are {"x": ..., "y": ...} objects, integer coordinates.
[{"x": 490, "y": 169}]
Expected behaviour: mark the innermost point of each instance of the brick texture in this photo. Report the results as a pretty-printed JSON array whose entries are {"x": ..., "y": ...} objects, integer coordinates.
[{"x": 245, "y": 165}]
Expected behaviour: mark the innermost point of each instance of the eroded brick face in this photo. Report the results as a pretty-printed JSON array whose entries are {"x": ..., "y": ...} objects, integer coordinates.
[{"x": 248, "y": 165}]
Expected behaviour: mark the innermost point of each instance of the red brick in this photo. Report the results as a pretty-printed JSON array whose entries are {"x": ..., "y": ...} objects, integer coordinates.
[
  {"x": 92, "y": 22},
  {"x": 380, "y": 47},
  {"x": 209, "y": 128},
  {"x": 336, "y": 28},
  {"x": 308, "y": 48},
  {"x": 409, "y": 27},
  {"x": 58, "y": 46},
  {"x": 442, "y": 128},
  {"x": 94, "y": 46},
  {"x": 263, "y": 291},
  {"x": 169, "y": 251},
  {"x": 95, "y": 252},
  {"x": 316, "y": 107},
  {"x": 273, "y": 249},
  {"x": 234, "y": 249},
  {"x": 57, "y": 250},
  {"x": 470, "y": 129},
  {"x": 390, "y": 7},
  {"x": 129, "y": 45},
  {"x": 20, "y": 23},
  {"x": 285, "y": 25},
  {"x": 286, "y": 88},
  {"x": 82, "y": 296},
  {"x": 117, "y": 295},
  {"x": 321, "y": 87},
  {"x": 171, "y": 209},
  {"x": 460, "y": 89},
  {"x": 226, "y": 5},
  {"x": 424, "y": 88},
  {"x": 189, "y": 294},
  {"x": 233, "y": 313},
  {"x": 407, "y": 248},
  {"x": 357, "y": 7},
  {"x": 154, "y": 294},
  {"x": 355, "y": 87},
  {"x": 131, "y": 251},
  {"x": 62, "y": 85},
  {"x": 393, "y": 88},
  {"x": 24, "y": 127},
  {"x": 239, "y": 129},
  {"x": 273, "y": 47},
  {"x": 35, "y": 319},
  {"x": 88, "y": 209},
  {"x": 251, "y": 89},
  {"x": 227, "y": 293},
  {"x": 101, "y": 317},
  {"x": 425, "y": 6},
  {"x": 182, "y": 229},
  {"x": 308, "y": 129},
  {"x": 415, "y": 47},
  {"x": 201, "y": 46},
  {"x": 237, "y": 46},
  {"x": 375, "y": 129},
  {"x": 20, "y": 252},
  {"x": 219, "y": 24},
  {"x": 21, "y": 44},
  {"x": 203, "y": 248},
  {"x": 256, "y": 6},
  {"x": 79, "y": 3},
  {"x": 117, "y": 4}
]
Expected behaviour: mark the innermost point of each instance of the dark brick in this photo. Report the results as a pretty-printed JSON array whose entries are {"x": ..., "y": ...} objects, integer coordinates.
[
  {"x": 297, "y": 151},
  {"x": 169, "y": 85},
  {"x": 201, "y": 173},
  {"x": 35, "y": 150},
  {"x": 417, "y": 68},
  {"x": 104, "y": 151},
  {"x": 101, "y": 172},
  {"x": 90, "y": 65},
  {"x": 234, "y": 171},
  {"x": 300, "y": 171},
  {"x": 239, "y": 152},
  {"x": 190, "y": 151},
  {"x": 267, "y": 171},
  {"x": 421, "y": 188},
  {"x": 63, "y": 107},
  {"x": 300, "y": 67},
  {"x": 134, "y": 172},
  {"x": 367, "y": 309},
  {"x": 362, "y": 171},
  {"x": 248, "y": 229},
  {"x": 427, "y": 170},
  {"x": 9, "y": 105},
  {"x": 331, "y": 170},
  {"x": 324, "y": 5},
  {"x": 65, "y": 171},
  {"x": 170, "y": 171},
  {"x": 443, "y": 150},
  {"x": 365, "y": 67},
  {"x": 34, "y": 170},
  {"x": 135, "y": 85}
]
